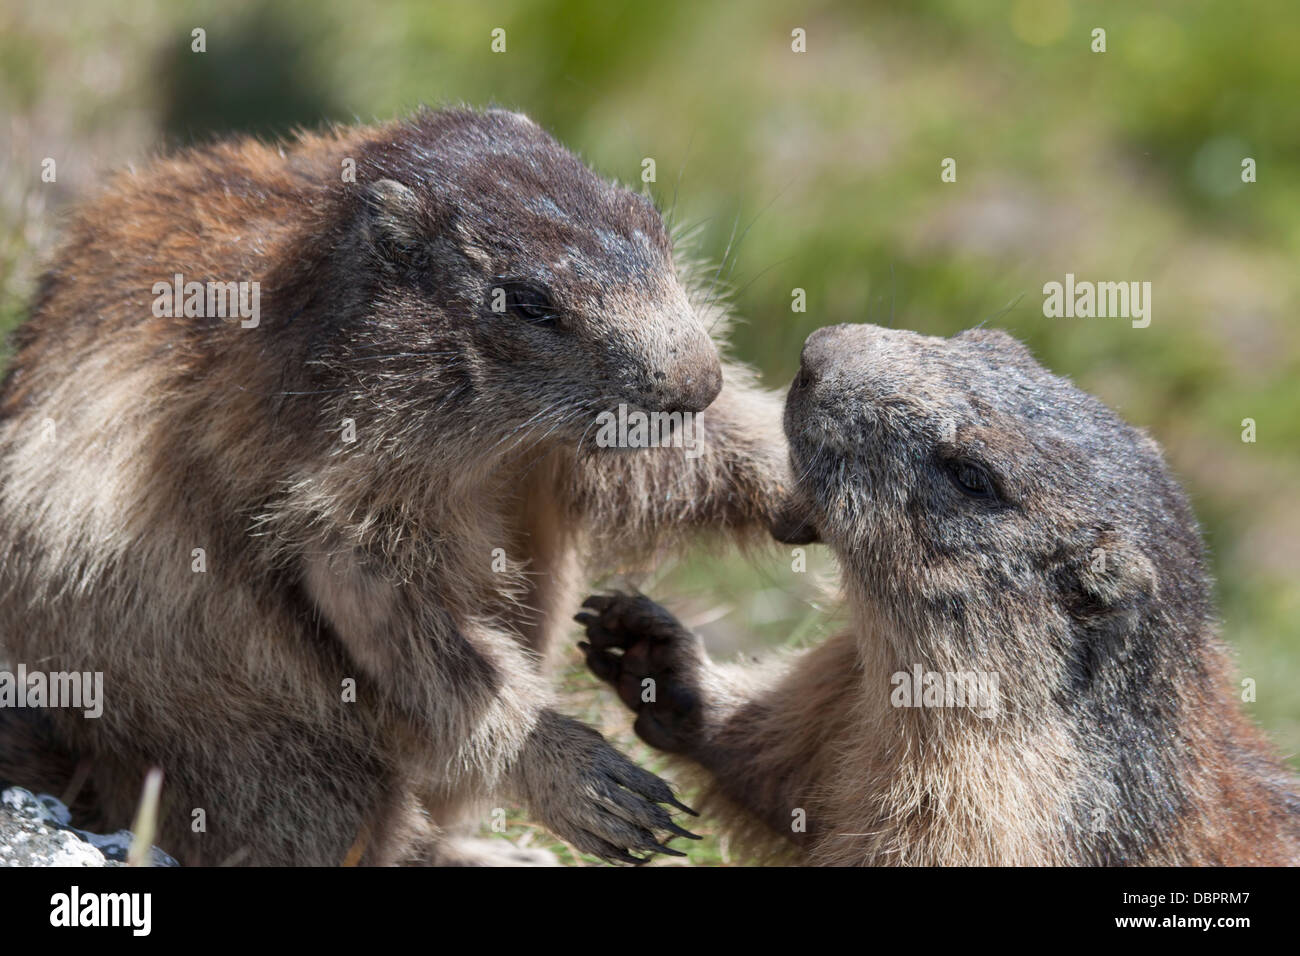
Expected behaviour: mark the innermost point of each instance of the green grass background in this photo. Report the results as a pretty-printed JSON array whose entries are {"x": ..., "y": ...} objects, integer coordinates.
[{"x": 824, "y": 167}]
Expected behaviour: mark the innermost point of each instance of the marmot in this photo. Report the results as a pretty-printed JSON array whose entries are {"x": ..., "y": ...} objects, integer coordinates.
[
  {"x": 1005, "y": 538},
  {"x": 387, "y": 476}
]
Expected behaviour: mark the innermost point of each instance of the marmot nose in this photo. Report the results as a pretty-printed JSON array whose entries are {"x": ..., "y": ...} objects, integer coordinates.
[
  {"x": 804, "y": 380},
  {"x": 691, "y": 386},
  {"x": 819, "y": 350}
]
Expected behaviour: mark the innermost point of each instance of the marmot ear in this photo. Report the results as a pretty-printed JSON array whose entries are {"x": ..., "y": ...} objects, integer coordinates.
[
  {"x": 996, "y": 340},
  {"x": 393, "y": 221},
  {"x": 1107, "y": 587},
  {"x": 1109, "y": 573}
]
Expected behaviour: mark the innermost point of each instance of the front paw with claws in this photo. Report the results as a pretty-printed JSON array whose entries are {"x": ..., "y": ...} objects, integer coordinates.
[
  {"x": 657, "y": 666},
  {"x": 591, "y": 795}
]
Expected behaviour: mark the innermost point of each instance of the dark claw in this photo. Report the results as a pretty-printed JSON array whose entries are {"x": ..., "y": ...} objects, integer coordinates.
[
  {"x": 585, "y": 617},
  {"x": 602, "y": 664},
  {"x": 669, "y": 851},
  {"x": 681, "y": 806},
  {"x": 679, "y": 831},
  {"x": 598, "y": 602}
]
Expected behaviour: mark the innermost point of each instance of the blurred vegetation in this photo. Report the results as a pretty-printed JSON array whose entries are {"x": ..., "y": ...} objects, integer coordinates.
[{"x": 824, "y": 167}]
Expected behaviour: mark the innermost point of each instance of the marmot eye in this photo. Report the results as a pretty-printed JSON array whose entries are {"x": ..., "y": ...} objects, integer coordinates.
[
  {"x": 528, "y": 300},
  {"x": 971, "y": 478}
]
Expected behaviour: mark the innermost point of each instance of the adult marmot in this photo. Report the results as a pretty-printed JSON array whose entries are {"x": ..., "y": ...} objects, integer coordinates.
[
  {"x": 380, "y": 469},
  {"x": 1032, "y": 674}
]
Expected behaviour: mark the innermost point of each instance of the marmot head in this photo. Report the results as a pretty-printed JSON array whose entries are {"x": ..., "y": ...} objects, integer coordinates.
[
  {"x": 502, "y": 275},
  {"x": 978, "y": 500}
]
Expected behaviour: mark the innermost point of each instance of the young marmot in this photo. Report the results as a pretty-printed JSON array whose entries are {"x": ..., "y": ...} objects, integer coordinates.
[
  {"x": 1032, "y": 674},
  {"x": 319, "y": 545}
]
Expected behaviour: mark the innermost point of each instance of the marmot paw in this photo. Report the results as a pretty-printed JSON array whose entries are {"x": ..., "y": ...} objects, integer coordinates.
[{"x": 656, "y": 665}]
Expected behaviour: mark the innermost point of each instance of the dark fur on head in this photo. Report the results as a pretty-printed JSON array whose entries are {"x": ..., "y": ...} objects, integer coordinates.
[{"x": 463, "y": 211}]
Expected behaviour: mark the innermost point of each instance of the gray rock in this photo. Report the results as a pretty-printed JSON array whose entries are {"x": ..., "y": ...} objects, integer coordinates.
[{"x": 35, "y": 831}]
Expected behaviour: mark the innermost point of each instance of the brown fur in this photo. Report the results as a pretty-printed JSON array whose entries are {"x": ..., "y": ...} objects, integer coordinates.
[
  {"x": 1116, "y": 739},
  {"x": 372, "y": 560}
]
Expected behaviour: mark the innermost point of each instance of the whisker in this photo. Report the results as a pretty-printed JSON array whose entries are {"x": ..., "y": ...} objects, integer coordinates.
[
  {"x": 377, "y": 358},
  {"x": 570, "y": 415},
  {"x": 722, "y": 262},
  {"x": 745, "y": 233},
  {"x": 672, "y": 210},
  {"x": 523, "y": 425},
  {"x": 1002, "y": 311},
  {"x": 756, "y": 277}
]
